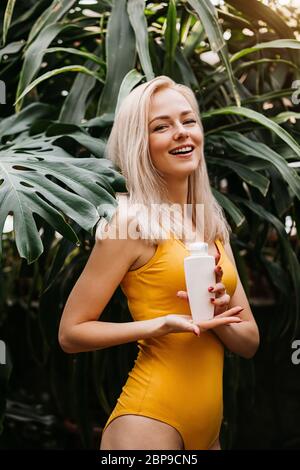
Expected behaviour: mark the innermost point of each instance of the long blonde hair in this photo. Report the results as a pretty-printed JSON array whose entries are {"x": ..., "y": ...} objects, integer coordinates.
[{"x": 128, "y": 148}]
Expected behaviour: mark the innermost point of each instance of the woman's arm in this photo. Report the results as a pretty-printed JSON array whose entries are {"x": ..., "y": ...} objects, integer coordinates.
[
  {"x": 240, "y": 338},
  {"x": 108, "y": 263}
]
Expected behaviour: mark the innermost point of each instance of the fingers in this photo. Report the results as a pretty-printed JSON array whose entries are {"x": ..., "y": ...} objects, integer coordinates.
[
  {"x": 219, "y": 273},
  {"x": 216, "y": 321},
  {"x": 232, "y": 311},
  {"x": 226, "y": 321},
  {"x": 179, "y": 323},
  {"x": 219, "y": 289},
  {"x": 182, "y": 294},
  {"x": 217, "y": 258},
  {"x": 192, "y": 327},
  {"x": 221, "y": 301},
  {"x": 185, "y": 323},
  {"x": 196, "y": 330}
]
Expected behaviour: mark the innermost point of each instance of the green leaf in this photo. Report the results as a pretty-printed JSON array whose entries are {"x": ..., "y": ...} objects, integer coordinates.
[
  {"x": 255, "y": 10},
  {"x": 235, "y": 21},
  {"x": 280, "y": 192},
  {"x": 255, "y": 63},
  {"x": 65, "y": 251},
  {"x": 7, "y": 19},
  {"x": 52, "y": 73},
  {"x": 51, "y": 15},
  {"x": 207, "y": 14},
  {"x": 129, "y": 82},
  {"x": 290, "y": 258},
  {"x": 277, "y": 275},
  {"x": 257, "y": 149},
  {"x": 94, "y": 145},
  {"x": 234, "y": 212},
  {"x": 285, "y": 116},
  {"x": 186, "y": 20},
  {"x": 251, "y": 177},
  {"x": 277, "y": 44},
  {"x": 188, "y": 76},
  {"x": 272, "y": 95},
  {"x": 138, "y": 22},
  {"x": 71, "y": 50},
  {"x": 194, "y": 38},
  {"x": 257, "y": 117},
  {"x": 22, "y": 121},
  {"x": 120, "y": 56},
  {"x": 37, "y": 177},
  {"x": 11, "y": 48},
  {"x": 75, "y": 105},
  {"x": 171, "y": 39},
  {"x": 28, "y": 16},
  {"x": 34, "y": 56}
]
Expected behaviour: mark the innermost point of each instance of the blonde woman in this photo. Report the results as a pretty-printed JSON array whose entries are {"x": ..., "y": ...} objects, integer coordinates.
[{"x": 173, "y": 396}]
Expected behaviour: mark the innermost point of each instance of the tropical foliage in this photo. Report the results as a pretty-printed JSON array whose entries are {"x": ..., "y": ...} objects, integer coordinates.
[{"x": 66, "y": 67}]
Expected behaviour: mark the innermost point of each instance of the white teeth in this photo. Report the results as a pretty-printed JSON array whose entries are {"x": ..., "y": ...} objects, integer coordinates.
[{"x": 183, "y": 149}]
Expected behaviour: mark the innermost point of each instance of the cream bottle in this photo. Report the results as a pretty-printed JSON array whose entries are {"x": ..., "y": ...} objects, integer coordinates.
[{"x": 199, "y": 276}]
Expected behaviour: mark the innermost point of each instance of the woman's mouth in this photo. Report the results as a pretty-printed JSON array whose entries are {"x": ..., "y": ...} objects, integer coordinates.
[{"x": 182, "y": 152}]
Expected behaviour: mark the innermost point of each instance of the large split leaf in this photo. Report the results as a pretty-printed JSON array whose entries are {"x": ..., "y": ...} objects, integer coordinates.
[{"x": 37, "y": 177}]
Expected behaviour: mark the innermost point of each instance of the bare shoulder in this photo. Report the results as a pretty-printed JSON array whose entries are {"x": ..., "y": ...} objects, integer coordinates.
[{"x": 119, "y": 234}]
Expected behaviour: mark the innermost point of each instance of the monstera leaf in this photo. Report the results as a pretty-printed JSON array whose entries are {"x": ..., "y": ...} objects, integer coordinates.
[{"x": 38, "y": 177}]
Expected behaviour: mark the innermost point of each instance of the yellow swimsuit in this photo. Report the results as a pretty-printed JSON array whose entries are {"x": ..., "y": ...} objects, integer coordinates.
[{"x": 177, "y": 378}]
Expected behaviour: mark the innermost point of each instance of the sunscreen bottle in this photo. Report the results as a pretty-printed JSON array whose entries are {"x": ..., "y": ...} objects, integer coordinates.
[{"x": 199, "y": 275}]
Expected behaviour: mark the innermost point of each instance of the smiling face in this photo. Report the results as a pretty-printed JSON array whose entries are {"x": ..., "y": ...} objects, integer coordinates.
[{"x": 175, "y": 137}]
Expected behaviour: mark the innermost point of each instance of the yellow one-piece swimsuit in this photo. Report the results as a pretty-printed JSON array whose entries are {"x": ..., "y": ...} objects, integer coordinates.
[{"x": 176, "y": 378}]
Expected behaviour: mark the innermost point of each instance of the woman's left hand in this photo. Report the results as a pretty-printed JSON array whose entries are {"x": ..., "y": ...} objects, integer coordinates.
[{"x": 222, "y": 299}]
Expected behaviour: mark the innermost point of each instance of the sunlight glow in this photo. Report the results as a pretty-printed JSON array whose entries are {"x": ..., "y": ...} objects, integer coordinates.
[
  {"x": 293, "y": 3},
  {"x": 9, "y": 224},
  {"x": 281, "y": 3},
  {"x": 88, "y": 2}
]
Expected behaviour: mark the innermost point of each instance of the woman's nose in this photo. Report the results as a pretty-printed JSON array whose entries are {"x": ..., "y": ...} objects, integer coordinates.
[{"x": 180, "y": 131}]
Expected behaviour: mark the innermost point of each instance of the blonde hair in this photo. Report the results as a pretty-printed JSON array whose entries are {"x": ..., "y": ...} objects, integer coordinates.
[{"x": 128, "y": 149}]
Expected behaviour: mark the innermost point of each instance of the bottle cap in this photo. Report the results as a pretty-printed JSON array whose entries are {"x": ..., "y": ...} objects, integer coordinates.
[{"x": 198, "y": 247}]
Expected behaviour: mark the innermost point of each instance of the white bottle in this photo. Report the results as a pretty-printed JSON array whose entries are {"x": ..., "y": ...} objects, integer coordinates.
[{"x": 199, "y": 276}]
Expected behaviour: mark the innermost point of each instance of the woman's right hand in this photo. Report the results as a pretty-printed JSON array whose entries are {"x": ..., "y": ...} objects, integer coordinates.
[{"x": 175, "y": 323}]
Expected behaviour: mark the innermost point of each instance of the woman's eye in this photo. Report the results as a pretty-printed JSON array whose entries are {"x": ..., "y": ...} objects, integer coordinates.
[
  {"x": 190, "y": 121},
  {"x": 163, "y": 126},
  {"x": 158, "y": 128}
]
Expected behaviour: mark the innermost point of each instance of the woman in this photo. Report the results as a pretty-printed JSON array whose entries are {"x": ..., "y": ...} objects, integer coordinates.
[{"x": 173, "y": 396}]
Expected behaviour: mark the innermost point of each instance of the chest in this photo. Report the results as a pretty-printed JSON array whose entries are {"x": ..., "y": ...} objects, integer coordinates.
[{"x": 146, "y": 252}]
